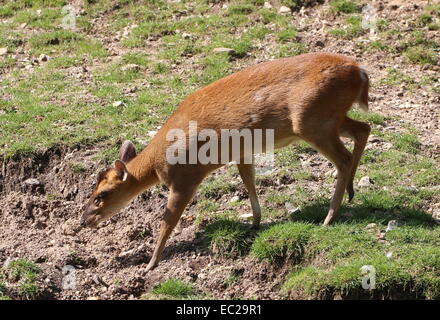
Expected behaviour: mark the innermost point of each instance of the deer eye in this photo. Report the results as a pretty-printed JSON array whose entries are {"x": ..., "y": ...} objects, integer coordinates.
[
  {"x": 100, "y": 197},
  {"x": 103, "y": 194}
]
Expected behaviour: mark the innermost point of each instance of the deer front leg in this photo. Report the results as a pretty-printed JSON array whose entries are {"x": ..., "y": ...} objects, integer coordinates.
[
  {"x": 247, "y": 173},
  {"x": 177, "y": 201}
]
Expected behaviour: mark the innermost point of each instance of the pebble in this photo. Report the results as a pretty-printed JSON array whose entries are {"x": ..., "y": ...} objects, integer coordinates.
[
  {"x": 267, "y": 5},
  {"x": 235, "y": 199},
  {"x": 117, "y": 103},
  {"x": 131, "y": 67},
  {"x": 411, "y": 189},
  {"x": 291, "y": 209},
  {"x": 3, "y": 51},
  {"x": 247, "y": 216},
  {"x": 43, "y": 57},
  {"x": 392, "y": 224},
  {"x": 186, "y": 35},
  {"x": 227, "y": 50},
  {"x": 364, "y": 182},
  {"x": 284, "y": 10},
  {"x": 371, "y": 226},
  {"x": 7, "y": 262},
  {"x": 32, "y": 182}
]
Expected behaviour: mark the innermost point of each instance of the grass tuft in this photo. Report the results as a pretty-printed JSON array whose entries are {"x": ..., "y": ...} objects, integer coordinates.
[{"x": 228, "y": 238}]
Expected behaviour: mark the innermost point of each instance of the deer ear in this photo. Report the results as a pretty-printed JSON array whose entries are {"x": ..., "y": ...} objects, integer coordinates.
[
  {"x": 127, "y": 151},
  {"x": 122, "y": 169}
]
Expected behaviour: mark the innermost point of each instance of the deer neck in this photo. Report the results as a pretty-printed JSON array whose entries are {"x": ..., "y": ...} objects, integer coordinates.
[{"x": 142, "y": 170}]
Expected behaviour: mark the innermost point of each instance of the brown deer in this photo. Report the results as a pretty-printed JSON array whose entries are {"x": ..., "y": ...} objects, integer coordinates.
[{"x": 304, "y": 97}]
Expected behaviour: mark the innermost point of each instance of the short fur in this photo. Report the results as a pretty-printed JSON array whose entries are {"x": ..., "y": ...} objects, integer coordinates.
[{"x": 306, "y": 97}]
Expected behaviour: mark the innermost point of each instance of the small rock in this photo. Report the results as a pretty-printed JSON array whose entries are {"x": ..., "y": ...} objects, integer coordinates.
[
  {"x": 131, "y": 67},
  {"x": 3, "y": 51},
  {"x": 186, "y": 35},
  {"x": 389, "y": 255},
  {"x": 284, "y": 10},
  {"x": 43, "y": 57},
  {"x": 152, "y": 133},
  {"x": 371, "y": 226},
  {"x": 364, "y": 182},
  {"x": 267, "y": 5},
  {"x": 291, "y": 209},
  {"x": 392, "y": 224},
  {"x": 117, "y": 103},
  {"x": 235, "y": 199},
  {"x": 411, "y": 188},
  {"x": 247, "y": 216},
  {"x": 92, "y": 298},
  {"x": 32, "y": 182},
  {"x": 7, "y": 262},
  {"x": 226, "y": 50},
  {"x": 23, "y": 25},
  {"x": 125, "y": 253}
]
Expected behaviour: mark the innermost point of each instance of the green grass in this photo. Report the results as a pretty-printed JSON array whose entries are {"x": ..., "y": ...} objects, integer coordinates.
[
  {"x": 421, "y": 55},
  {"x": 354, "y": 28},
  {"x": 406, "y": 142},
  {"x": 403, "y": 275},
  {"x": 344, "y": 6},
  {"x": 21, "y": 280},
  {"x": 174, "y": 289},
  {"x": 227, "y": 237},
  {"x": 286, "y": 35},
  {"x": 283, "y": 241},
  {"x": 396, "y": 77}
]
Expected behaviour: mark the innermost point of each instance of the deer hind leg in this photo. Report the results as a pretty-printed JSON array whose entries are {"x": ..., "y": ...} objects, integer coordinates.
[
  {"x": 177, "y": 201},
  {"x": 333, "y": 149},
  {"x": 359, "y": 132},
  {"x": 247, "y": 173}
]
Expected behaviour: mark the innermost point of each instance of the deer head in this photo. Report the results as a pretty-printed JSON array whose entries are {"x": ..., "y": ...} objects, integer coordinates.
[{"x": 113, "y": 189}]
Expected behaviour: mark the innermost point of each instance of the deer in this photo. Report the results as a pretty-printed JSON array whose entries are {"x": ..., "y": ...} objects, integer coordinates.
[{"x": 305, "y": 97}]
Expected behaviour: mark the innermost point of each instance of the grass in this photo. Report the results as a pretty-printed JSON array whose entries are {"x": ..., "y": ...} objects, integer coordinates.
[
  {"x": 396, "y": 77},
  {"x": 172, "y": 289},
  {"x": 20, "y": 280},
  {"x": 227, "y": 237},
  {"x": 283, "y": 241},
  {"x": 421, "y": 55},
  {"x": 344, "y": 6},
  {"x": 337, "y": 255},
  {"x": 352, "y": 29}
]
